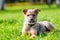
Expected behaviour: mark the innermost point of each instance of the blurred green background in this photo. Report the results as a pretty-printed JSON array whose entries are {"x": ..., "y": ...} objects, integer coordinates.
[{"x": 12, "y": 18}]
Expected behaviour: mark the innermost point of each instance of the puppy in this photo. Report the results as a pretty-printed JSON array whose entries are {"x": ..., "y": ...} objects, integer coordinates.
[{"x": 31, "y": 26}]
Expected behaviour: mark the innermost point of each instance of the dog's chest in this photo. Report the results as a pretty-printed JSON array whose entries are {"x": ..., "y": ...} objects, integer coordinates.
[{"x": 36, "y": 26}]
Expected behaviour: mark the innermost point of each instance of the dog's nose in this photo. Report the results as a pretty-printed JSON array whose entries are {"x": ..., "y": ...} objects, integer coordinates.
[{"x": 31, "y": 19}]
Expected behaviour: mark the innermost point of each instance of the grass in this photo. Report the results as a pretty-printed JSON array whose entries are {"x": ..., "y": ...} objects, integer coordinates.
[{"x": 11, "y": 22}]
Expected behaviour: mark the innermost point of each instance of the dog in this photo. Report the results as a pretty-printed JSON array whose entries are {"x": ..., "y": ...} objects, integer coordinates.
[{"x": 31, "y": 26}]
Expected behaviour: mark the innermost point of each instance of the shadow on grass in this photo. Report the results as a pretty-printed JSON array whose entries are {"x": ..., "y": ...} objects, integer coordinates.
[{"x": 57, "y": 31}]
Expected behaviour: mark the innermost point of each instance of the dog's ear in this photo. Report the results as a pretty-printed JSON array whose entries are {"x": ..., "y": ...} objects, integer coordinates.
[
  {"x": 36, "y": 10},
  {"x": 24, "y": 11}
]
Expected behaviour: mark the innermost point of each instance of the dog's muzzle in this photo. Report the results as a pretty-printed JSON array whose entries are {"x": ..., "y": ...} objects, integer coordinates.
[{"x": 31, "y": 21}]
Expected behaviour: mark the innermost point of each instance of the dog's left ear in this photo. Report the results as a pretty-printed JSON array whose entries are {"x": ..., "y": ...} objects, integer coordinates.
[
  {"x": 24, "y": 11},
  {"x": 36, "y": 11}
]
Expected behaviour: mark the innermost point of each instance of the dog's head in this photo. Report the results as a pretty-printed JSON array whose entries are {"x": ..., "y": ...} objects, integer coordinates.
[{"x": 30, "y": 15}]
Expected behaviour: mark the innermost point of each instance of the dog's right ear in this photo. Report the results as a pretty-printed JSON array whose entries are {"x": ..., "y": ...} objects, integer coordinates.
[{"x": 24, "y": 11}]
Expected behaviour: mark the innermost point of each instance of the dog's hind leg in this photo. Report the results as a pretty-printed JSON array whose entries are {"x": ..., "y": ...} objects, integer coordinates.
[{"x": 48, "y": 26}]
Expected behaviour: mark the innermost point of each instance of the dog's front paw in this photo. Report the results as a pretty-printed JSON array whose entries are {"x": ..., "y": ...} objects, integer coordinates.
[
  {"x": 33, "y": 36},
  {"x": 22, "y": 35}
]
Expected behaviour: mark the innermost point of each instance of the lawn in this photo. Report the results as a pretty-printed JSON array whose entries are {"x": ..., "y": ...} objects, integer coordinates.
[{"x": 11, "y": 22}]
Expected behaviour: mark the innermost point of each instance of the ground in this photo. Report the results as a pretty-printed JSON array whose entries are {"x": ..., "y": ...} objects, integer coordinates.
[{"x": 11, "y": 22}]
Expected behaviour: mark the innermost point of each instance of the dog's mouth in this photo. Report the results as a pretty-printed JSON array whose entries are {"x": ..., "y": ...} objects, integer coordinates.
[{"x": 31, "y": 23}]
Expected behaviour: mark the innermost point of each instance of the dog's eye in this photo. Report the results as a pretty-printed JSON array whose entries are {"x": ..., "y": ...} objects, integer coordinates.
[
  {"x": 27, "y": 15},
  {"x": 33, "y": 15}
]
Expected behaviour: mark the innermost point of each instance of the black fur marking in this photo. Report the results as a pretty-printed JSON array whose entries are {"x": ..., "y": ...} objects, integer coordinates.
[{"x": 47, "y": 30}]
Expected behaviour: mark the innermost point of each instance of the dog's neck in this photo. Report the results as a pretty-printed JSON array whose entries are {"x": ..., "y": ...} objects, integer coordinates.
[{"x": 30, "y": 25}]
